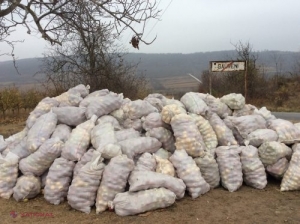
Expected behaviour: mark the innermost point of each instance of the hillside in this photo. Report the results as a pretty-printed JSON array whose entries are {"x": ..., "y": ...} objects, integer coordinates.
[{"x": 159, "y": 68}]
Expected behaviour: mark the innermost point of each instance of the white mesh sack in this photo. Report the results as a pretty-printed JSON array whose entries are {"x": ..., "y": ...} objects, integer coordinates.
[
  {"x": 155, "y": 102},
  {"x": 70, "y": 115},
  {"x": 215, "y": 105},
  {"x": 228, "y": 159},
  {"x": 187, "y": 135},
  {"x": 137, "y": 109},
  {"x": 41, "y": 130},
  {"x": 3, "y": 143},
  {"x": 248, "y": 123},
  {"x": 104, "y": 105},
  {"x": 174, "y": 101},
  {"x": 79, "y": 140},
  {"x": 81, "y": 90},
  {"x": 164, "y": 166},
  {"x": 132, "y": 203},
  {"x": 83, "y": 190},
  {"x": 8, "y": 174},
  {"x": 73, "y": 96},
  {"x": 189, "y": 172},
  {"x": 118, "y": 114},
  {"x": 271, "y": 152},
  {"x": 27, "y": 187},
  {"x": 126, "y": 134},
  {"x": 207, "y": 132},
  {"x": 43, "y": 107},
  {"x": 103, "y": 134},
  {"x": 157, "y": 96},
  {"x": 295, "y": 147},
  {"x": 253, "y": 170},
  {"x": 287, "y": 132},
  {"x": 265, "y": 113},
  {"x": 248, "y": 109},
  {"x": 234, "y": 101},
  {"x": 58, "y": 180},
  {"x": 62, "y": 131},
  {"x": 153, "y": 120},
  {"x": 20, "y": 149},
  {"x": 278, "y": 169},
  {"x": 92, "y": 96},
  {"x": 169, "y": 111},
  {"x": 224, "y": 134},
  {"x": 164, "y": 136},
  {"x": 209, "y": 169},
  {"x": 109, "y": 119},
  {"x": 18, "y": 136},
  {"x": 259, "y": 136},
  {"x": 297, "y": 125},
  {"x": 144, "y": 180},
  {"x": 110, "y": 151},
  {"x": 162, "y": 153},
  {"x": 43, "y": 178},
  {"x": 291, "y": 178},
  {"x": 39, "y": 161},
  {"x": 136, "y": 146},
  {"x": 146, "y": 162},
  {"x": 194, "y": 103},
  {"x": 114, "y": 181},
  {"x": 136, "y": 124},
  {"x": 87, "y": 157}
]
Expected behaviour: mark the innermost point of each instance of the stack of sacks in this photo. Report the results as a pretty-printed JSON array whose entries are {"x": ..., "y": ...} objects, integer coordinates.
[
  {"x": 131, "y": 203},
  {"x": 287, "y": 132},
  {"x": 228, "y": 158},
  {"x": 253, "y": 169},
  {"x": 8, "y": 174},
  {"x": 275, "y": 156},
  {"x": 27, "y": 187},
  {"x": 39, "y": 161},
  {"x": 83, "y": 190},
  {"x": 134, "y": 156},
  {"x": 291, "y": 178},
  {"x": 41, "y": 130},
  {"x": 43, "y": 107},
  {"x": 187, "y": 135},
  {"x": 209, "y": 169},
  {"x": 79, "y": 140},
  {"x": 164, "y": 166},
  {"x": 58, "y": 180},
  {"x": 242, "y": 126},
  {"x": 114, "y": 180},
  {"x": 216, "y": 105},
  {"x": 223, "y": 132},
  {"x": 189, "y": 172},
  {"x": 194, "y": 103},
  {"x": 104, "y": 140},
  {"x": 206, "y": 131}
]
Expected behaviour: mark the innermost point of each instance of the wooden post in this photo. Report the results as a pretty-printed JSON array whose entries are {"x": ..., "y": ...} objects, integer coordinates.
[
  {"x": 210, "y": 83},
  {"x": 246, "y": 71},
  {"x": 209, "y": 73}
]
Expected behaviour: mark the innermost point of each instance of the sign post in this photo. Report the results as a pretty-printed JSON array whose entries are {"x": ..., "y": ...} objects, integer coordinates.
[{"x": 228, "y": 66}]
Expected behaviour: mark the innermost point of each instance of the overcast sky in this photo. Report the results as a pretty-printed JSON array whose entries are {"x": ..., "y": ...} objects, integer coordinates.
[{"x": 204, "y": 25}]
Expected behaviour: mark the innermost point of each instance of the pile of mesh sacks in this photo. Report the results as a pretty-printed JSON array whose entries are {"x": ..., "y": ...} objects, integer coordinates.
[{"x": 101, "y": 149}]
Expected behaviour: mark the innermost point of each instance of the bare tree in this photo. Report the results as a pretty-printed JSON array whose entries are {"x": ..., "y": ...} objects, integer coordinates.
[
  {"x": 245, "y": 53},
  {"x": 90, "y": 56},
  {"x": 53, "y": 19}
]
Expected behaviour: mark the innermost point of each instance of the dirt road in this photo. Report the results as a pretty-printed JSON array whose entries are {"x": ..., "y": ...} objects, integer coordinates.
[{"x": 247, "y": 205}]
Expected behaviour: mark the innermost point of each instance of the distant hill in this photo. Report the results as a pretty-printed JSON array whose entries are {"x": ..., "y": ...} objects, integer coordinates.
[{"x": 155, "y": 66}]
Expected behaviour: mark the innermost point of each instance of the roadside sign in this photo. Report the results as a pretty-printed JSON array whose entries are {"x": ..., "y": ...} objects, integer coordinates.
[{"x": 227, "y": 66}]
